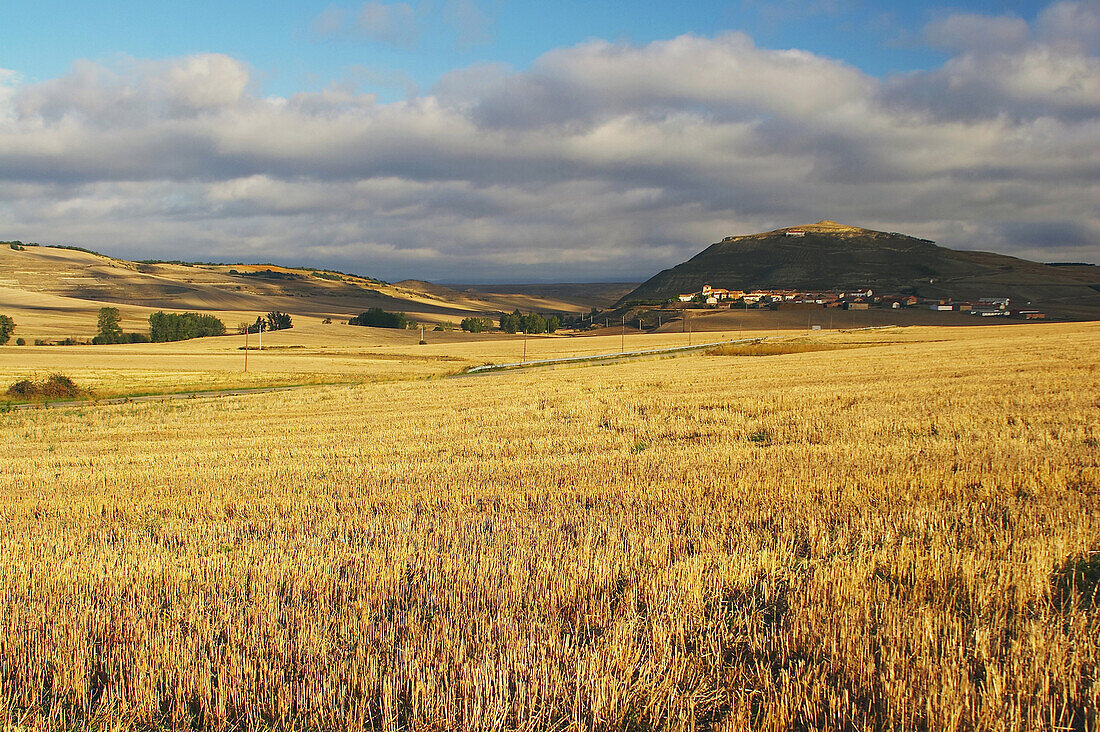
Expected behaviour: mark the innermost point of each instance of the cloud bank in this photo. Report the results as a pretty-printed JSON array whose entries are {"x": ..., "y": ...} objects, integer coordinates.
[{"x": 601, "y": 161}]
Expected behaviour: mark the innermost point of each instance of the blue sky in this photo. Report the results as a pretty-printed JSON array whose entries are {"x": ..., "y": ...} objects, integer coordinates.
[{"x": 493, "y": 140}]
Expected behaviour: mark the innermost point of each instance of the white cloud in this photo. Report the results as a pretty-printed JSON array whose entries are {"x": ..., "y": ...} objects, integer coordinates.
[
  {"x": 470, "y": 23},
  {"x": 1073, "y": 22},
  {"x": 971, "y": 31},
  {"x": 393, "y": 23},
  {"x": 602, "y": 160},
  {"x": 404, "y": 24},
  {"x": 330, "y": 22}
]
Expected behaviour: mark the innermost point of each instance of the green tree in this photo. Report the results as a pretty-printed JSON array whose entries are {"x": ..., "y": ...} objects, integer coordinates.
[
  {"x": 534, "y": 323},
  {"x": 553, "y": 323},
  {"x": 379, "y": 318},
  {"x": 182, "y": 326},
  {"x": 7, "y": 327},
  {"x": 109, "y": 328},
  {"x": 511, "y": 322},
  {"x": 277, "y": 320},
  {"x": 476, "y": 325}
]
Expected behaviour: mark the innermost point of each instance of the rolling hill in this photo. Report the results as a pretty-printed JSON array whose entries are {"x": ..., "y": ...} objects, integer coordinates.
[
  {"x": 828, "y": 255},
  {"x": 55, "y": 292}
]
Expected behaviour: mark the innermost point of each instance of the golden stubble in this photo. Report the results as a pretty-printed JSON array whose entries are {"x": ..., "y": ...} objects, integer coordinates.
[{"x": 869, "y": 538}]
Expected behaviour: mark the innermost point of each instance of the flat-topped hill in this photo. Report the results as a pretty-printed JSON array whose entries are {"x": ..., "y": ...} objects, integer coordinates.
[{"x": 827, "y": 255}]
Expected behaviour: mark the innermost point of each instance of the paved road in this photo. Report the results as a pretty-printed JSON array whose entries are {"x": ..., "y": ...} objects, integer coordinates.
[{"x": 601, "y": 357}]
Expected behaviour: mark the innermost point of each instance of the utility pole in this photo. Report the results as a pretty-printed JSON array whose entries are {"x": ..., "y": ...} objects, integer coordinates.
[
  {"x": 688, "y": 326},
  {"x": 622, "y": 342},
  {"x": 261, "y": 335},
  {"x": 524, "y": 346},
  {"x": 246, "y": 329}
]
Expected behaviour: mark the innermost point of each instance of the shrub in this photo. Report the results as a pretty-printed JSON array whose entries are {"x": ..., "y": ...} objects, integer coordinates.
[
  {"x": 20, "y": 341},
  {"x": 56, "y": 386},
  {"x": 379, "y": 318}
]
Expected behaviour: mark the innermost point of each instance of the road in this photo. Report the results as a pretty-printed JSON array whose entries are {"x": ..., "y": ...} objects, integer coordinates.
[{"x": 600, "y": 358}]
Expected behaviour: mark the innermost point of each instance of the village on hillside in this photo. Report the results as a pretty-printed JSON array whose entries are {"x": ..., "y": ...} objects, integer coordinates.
[{"x": 855, "y": 299}]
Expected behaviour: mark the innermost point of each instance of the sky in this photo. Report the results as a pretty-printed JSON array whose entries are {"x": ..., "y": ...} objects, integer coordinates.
[{"x": 507, "y": 141}]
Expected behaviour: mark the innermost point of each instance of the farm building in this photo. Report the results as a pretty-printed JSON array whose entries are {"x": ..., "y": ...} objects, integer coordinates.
[{"x": 899, "y": 301}]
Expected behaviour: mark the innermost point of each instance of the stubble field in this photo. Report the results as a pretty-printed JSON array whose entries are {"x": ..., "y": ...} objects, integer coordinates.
[{"x": 902, "y": 536}]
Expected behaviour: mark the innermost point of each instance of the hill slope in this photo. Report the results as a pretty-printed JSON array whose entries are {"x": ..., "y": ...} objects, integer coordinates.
[
  {"x": 55, "y": 292},
  {"x": 832, "y": 256}
]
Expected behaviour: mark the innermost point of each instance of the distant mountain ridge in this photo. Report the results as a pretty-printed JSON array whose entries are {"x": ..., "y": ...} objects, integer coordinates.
[{"x": 828, "y": 255}]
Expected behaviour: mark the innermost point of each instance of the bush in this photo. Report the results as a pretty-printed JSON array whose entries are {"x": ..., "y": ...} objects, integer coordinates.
[
  {"x": 123, "y": 338},
  {"x": 379, "y": 318},
  {"x": 164, "y": 327},
  {"x": 56, "y": 386},
  {"x": 20, "y": 341}
]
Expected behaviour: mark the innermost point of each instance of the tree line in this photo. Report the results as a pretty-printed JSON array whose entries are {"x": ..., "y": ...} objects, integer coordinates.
[
  {"x": 514, "y": 322},
  {"x": 275, "y": 320},
  {"x": 379, "y": 318},
  {"x": 163, "y": 327},
  {"x": 517, "y": 322}
]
